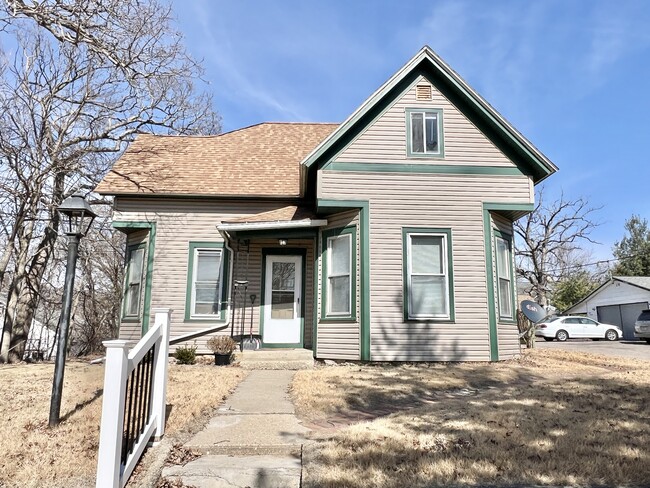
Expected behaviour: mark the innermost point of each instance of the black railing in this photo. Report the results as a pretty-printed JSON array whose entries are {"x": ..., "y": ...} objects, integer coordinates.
[{"x": 137, "y": 405}]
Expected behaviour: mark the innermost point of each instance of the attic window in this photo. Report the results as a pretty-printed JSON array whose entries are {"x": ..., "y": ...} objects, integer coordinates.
[
  {"x": 423, "y": 92},
  {"x": 424, "y": 132}
]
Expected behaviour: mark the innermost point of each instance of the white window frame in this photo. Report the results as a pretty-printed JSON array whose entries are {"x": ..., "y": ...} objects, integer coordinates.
[
  {"x": 195, "y": 264},
  {"x": 438, "y": 117},
  {"x": 128, "y": 283},
  {"x": 330, "y": 275},
  {"x": 445, "y": 274},
  {"x": 508, "y": 278}
]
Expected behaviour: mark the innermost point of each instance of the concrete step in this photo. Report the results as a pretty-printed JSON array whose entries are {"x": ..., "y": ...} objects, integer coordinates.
[
  {"x": 278, "y": 359},
  {"x": 220, "y": 471}
]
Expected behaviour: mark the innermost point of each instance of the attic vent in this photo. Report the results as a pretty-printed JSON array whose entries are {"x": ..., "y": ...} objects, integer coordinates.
[{"x": 423, "y": 92}]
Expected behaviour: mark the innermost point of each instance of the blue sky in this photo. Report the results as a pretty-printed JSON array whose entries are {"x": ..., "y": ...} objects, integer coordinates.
[{"x": 572, "y": 76}]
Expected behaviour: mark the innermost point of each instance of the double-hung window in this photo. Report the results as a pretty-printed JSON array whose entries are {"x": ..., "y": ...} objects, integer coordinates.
[
  {"x": 133, "y": 282},
  {"x": 424, "y": 127},
  {"x": 428, "y": 279},
  {"x": 504, "y": 275},
  {"x": 339, "y": 273},
  {"x": 205, "y": 281}
]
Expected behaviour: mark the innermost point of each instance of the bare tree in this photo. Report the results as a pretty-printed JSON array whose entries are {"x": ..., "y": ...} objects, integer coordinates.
[
  {"x": 84, "y": 78},
  {"x": 549, "y": 242}
]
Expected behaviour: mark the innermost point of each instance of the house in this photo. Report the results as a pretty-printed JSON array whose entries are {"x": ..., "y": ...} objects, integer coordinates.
[
  {"x": 387, "y": 237},
  {"x": 618, "y": 301}
]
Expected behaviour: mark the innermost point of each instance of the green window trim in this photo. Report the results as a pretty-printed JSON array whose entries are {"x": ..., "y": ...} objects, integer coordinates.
[
  {"x": 126, "y": 317},
  {"x": 447, "y": 234},
  {"x": 224, "y": 281},
  {"x": 326, "y": 236},
  {"x": 440, "y": 153},
  {"x": 508, "y": 239}
]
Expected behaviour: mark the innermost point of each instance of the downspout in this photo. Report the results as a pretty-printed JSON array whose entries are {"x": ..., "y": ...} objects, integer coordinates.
[{"x": 226, "y": 242}]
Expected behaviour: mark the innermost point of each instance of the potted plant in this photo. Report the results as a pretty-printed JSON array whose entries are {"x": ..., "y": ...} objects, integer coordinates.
[{"x": 222, "y": 347}]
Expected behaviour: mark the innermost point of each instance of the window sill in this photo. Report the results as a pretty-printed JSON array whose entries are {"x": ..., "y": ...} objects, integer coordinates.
[
  {"x": 506, "y": 320},
  {"x": 346, "y": 319},
  {"x": 204, "y": 320},
  {"x": 424, "y": 156},
  {"x": 130, "y": 320},
  {"x": 431, "y": 319}
]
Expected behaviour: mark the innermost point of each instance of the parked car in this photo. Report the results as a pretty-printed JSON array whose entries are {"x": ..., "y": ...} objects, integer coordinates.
[
  {"x": 571, "y": 327},
  {"x": 642, "y": 326}
]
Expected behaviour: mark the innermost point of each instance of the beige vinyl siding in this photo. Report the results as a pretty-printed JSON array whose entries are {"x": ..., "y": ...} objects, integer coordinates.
[
  {"x": 507, "y": 332},
  {"x": 400, "y": 200},
  {"x": 339, "y": 340},
  {"x": 384, "y": 141},
  {"x": 131, "y": 330},
  {"x": 180, "y": 221}
]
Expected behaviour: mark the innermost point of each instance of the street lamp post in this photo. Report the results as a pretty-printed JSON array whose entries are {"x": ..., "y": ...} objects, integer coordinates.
[{"x": 76, "y": 218}]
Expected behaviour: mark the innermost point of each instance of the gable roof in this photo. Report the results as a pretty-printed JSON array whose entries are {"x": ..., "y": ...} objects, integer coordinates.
[
  {"x": 426, "y": 62},
  {"x": 642, "y": 282},
  {"x": 262, "y": 160}
]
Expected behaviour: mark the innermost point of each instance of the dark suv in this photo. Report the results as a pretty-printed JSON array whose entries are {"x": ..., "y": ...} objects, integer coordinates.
[{"x": 642, "y": 326}]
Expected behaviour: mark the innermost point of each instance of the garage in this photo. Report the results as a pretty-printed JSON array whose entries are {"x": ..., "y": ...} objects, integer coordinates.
[
  {"x": 619, "y": 301},
  {"x": 622, "y": 315}
]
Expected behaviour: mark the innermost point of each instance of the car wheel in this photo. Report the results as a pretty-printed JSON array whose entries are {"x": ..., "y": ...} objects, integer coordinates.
[
  {"x": 611, "y": 335},
  {"x": 562, "y": 335},
  {"x": 548, "y": 339}
]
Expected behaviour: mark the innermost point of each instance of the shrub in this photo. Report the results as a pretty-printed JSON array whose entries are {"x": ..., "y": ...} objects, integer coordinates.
[
  {"x": 222, "y": 345},
  {"x": 185, "y": 355}
]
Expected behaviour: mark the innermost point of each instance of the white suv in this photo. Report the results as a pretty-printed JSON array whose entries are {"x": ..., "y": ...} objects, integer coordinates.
[{"x": 642, "y": 326}]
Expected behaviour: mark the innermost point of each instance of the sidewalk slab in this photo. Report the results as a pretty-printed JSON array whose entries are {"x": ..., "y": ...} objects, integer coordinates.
[
  {"x": 261, "y": 392},
  {"x": 239, "y": 472}
]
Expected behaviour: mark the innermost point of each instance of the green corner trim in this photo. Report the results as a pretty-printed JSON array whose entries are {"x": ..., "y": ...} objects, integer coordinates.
[
  {"x": 523, "y": 207},
  {"x": 406, "y": 231},
  {"x": 314, "y": 330},
  {"x": 327, "y": 234},
  {"x": 283, "y": 251},
  {"x": 151, "y": 226},
  {"x": 489, "y": 275},
  {"x": 513, "y": 303},
  {"x": 441, "y": 134},
  {"x": 425, "y": 168},
  {"x": 364, "y": 224},
  {"x": 225, "y": 279}
]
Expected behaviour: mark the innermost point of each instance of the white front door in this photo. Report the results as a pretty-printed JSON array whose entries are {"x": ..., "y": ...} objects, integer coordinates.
[{"x": 282, "y": 300}]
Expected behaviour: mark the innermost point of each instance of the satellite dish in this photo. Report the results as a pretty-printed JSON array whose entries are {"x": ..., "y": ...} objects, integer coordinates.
[{"x": 533, "y": 311}]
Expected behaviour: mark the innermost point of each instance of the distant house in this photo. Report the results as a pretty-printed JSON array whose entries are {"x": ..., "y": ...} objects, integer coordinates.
[
  {"x": 387, "y": 237},
  {"x": 618, "y": 301}
]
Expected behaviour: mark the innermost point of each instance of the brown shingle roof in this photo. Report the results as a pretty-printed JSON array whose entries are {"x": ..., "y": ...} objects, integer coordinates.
[
  {"x": 284, "y": 214},
  {"x": 261, "y": 160}
]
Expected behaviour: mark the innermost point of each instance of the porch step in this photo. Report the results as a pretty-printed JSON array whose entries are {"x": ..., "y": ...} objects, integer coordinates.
[{"x": 290, "y": 359}]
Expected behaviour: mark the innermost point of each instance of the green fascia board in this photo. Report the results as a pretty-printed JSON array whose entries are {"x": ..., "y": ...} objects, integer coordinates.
[
  {"x": 450, "y": 270},
  {"x": 352, "y": 316},
  {"x": 513, "y": 300},
  {"x": 325, "y": 205},
  {"x": 489, "y": 278},
  {"x": 225, "y": 280},
  {"x": 519, "y": 150},
  {"x": 283, "y": 251},
  {"x": 423, "y": 168}
]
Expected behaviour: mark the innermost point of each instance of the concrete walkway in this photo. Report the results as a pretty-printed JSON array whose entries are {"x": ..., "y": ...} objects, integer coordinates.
[{"x": 254, "y": 441}]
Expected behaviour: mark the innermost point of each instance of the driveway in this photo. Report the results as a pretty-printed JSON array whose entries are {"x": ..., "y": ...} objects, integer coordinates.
[{"x": 625, "y": 349}]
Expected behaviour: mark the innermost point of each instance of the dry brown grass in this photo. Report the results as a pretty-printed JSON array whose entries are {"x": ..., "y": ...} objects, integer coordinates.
[
  {"x": 549, "y": 418},
  {"x": 36, "y": 456}
]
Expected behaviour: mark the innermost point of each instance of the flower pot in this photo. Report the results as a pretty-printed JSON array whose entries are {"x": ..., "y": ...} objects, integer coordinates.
[{"x": 221, "y": 359}]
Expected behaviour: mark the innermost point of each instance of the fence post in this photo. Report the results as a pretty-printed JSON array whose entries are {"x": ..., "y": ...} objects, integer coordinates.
[
  {"x": 158, "y": 399},
  {"x": 112, "y": 425}
]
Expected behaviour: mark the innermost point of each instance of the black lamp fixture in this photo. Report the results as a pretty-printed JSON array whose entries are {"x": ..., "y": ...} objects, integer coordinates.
[{"x": 77, "y": 216}]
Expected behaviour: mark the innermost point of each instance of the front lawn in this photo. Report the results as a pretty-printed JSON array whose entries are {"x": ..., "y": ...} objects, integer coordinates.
[
  {"x": 35, "y": 456},
  {"x": 549, "y": 418}
]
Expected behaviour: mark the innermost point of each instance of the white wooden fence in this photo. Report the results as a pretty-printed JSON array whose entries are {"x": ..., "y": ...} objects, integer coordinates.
[{"x": 133, "y": 410}]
